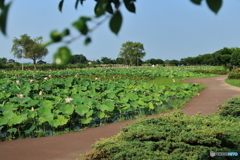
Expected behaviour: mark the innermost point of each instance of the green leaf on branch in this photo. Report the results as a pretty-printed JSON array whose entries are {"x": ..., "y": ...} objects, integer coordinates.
[
  {"x": 55, "y": 36},
  {"x": 198, "y": 2},
  {"x": 81, "y": 25},
  {"x": 214, "y": 5},
  {"x": 76, "y": 4},
  {"x": 116, "y": 22},
  {"x": 12, "y": 130},
  {"x": 65, "y": 32},
  {"x": 62, "y": 56},
  {"x": 60, "y": 5},
  {"x": 3, "y": 17},
  {"x": 101, "y": 7},
  {"x": 109, "y": 8},
  {"x": 87, "y": 40},
  {"x": 129, "y": 4}
]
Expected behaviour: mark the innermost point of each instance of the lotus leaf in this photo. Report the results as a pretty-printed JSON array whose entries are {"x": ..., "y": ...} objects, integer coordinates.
[
  {"x": 82, "y": 109},
  {"x": 66, "y": 109},
  {"x": 86, "y": 121},
  {"x": 100, "y": 114}
]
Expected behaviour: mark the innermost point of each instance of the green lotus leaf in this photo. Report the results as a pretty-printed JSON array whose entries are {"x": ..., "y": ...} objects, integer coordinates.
[
  {"x": 89, "y": 113},
  {"x": 82, "y": 109},
  {"x": 32, "y": 103},
  {"x": 7, "y": 107},
  {"x": 102, "y": 107},
  {"x": 86, "y": 121},
  {"x": 101, "y": 115},
  {"x": 66, "y": 109},
  {"x": 28, "y": 128},
  {"x": 111, "y": 95},
  {"x": 110, "y": 105},
  {"x": 150, "y": 105},
  {"x": 15, "y": 120},
  {"x": 12, "y": 130}
]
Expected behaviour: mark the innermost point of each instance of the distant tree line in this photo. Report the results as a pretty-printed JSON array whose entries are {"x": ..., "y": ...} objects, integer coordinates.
[{"x": 224, "y": 56}]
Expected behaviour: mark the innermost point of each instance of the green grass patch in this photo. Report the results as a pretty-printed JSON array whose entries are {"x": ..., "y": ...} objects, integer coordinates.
[{"x": 234, "y": 82}]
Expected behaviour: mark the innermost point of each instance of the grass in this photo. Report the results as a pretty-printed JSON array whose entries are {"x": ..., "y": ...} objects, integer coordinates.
[{"x": 234, "y": 82}]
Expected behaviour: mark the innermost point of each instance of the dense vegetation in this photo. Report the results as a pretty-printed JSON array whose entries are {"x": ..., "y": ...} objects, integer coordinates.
[
  {"x": 37, "y": 103},
  {"x": 175, "y": 136}
]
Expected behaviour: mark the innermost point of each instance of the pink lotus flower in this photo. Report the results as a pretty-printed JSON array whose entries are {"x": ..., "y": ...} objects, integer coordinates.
[
  {"x": 40, "y": 93},
  {"x": 17, "y": 81},
  {"x": 20, "y": 95},
  {"x": 50, "y": 76},
  {"x": 68, "y": 100},
  {"x": 45, "y": 78},
  {"x": 31, "y": 81},
  {"x": 32, "y": 109}
]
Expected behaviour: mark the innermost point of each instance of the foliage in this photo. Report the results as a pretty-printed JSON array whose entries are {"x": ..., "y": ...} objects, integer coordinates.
[
  {"x": 218, "y": 72},
  {"x": 3, "y": 62},
  {"x": 235, "y": 59},
  {"x": 154, "y": 61},
  {"x": 132, "y": 52},
  {"x": 25, "y": 47},
  {"x": 78, "y": 58},
  {"x": 230, "y": 108},
  {"x": 234, "y": 75},
  {"x": 41, "y": 103},
  {"x": 106, "y": 60},
  {"x": 171, "y": 136}
]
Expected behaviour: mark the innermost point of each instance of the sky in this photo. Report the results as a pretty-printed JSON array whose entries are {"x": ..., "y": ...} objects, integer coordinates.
[{"x": 168, "y": 29}]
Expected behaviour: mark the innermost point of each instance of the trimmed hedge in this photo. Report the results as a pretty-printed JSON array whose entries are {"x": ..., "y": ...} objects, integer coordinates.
[
  {"x": 235, "y": 74},
  {"x": 174, "y": 136}
]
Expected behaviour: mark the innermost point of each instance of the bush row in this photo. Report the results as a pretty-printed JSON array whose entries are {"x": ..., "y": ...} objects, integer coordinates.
[
  {"x": 219, "y": 72},
  {"x": 175, "y": 136}
]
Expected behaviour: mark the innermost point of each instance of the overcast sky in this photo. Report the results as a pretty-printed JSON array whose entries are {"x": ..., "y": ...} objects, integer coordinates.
[{"x": 169, "y": 29}]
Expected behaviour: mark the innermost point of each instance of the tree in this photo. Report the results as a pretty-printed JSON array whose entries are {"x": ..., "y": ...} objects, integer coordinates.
[
  {"x": 3, "y": 62},
  {"x": 78, "y": 58},
  {"x": 106, "y": 60},
  {"x": 235, "y": 58},
  {"x": 25, "y": 47},
  {"x": 132, "y": 52},
  {"x": 154, "y": 61},
  {"x": 173, "y": 62}
]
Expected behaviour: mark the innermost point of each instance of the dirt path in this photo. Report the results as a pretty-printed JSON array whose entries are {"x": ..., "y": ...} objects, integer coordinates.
[{"x": 69, "y": 146}]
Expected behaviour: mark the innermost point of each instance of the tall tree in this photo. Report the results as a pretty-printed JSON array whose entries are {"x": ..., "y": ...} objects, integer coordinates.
[
  {"x": 132, "y": 52},
  {"x": 106, "y": 60},
  {"x": 78, "y": 58},
  {"x": 3, "y": 62},
  {"x": 28, "y": 48},
  {"x": 235, "y": 58}
]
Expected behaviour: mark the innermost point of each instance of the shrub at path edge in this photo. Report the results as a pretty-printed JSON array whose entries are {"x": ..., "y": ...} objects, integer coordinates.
[{"x": 175, "y": 136}]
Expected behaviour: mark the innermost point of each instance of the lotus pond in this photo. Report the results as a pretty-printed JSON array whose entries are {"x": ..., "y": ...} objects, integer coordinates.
[{"x": 34, "y": 104}]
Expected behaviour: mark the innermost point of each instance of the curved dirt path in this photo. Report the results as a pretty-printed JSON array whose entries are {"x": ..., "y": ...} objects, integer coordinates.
[{"x": 70, "y": 146}]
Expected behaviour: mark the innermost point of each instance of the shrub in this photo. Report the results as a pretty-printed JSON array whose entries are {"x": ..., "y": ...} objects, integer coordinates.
[
  {"x": 220, "y": 72},
  {"x": 171, "y": 136},
  {"x": 230, "y": 107},
  {"x": 234, "y": 75}
]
